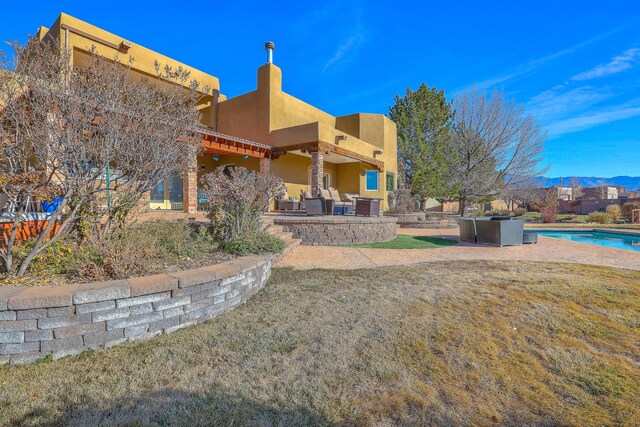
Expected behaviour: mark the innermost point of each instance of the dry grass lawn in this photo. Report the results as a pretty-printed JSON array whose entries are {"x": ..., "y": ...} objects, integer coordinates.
[{"x": 460, "y": 343}]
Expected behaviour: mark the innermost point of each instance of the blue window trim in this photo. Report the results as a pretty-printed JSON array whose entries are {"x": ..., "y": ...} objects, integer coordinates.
[{"x": 366, "y": 180}]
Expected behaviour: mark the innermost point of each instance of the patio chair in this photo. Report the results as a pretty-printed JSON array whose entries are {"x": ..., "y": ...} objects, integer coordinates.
[
  {"x": 315, "y": 206},
  {"x": 341, "y": 206}
]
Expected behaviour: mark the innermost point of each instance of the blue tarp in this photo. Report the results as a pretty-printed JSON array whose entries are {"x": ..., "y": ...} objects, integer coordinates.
[{"x": 51, "y": 206}]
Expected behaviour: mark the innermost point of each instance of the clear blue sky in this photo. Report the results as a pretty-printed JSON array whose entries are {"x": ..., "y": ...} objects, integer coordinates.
[{"x": 573, "y": 64}]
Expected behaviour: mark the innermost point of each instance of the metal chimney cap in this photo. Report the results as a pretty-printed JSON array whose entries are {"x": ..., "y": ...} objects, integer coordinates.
[{"x": 269, "y": 45}]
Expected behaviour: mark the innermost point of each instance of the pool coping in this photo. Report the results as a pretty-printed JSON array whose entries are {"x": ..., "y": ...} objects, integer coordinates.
[{"x": 624, "y": 231}]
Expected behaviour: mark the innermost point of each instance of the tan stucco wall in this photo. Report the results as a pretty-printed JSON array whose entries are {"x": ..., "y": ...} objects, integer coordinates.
[
  {"x": 267, "y": 115},
  {"x": 271, "y": 116}
]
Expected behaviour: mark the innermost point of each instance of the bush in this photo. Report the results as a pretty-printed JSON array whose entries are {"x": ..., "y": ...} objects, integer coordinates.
[
  {"x": 401, "y": 201},
  {"x": 614, "y": 212},
  {"x": 498, "y": 212},
  {"x": 548, "y": 215},
  {"x": 254, "y": 243},
  {"x": 599, "y": 218},
  {"x": 237, "y": 198},
  {"x": 627, "y": 208},
  {"x": 128, "y": 252},
  {"x": 519, "y": 211},
  {"x": 64, "y": 257}
]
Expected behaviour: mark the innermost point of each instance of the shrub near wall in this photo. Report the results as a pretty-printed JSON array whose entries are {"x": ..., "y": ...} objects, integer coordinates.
[{"x": 63, "y": 320}]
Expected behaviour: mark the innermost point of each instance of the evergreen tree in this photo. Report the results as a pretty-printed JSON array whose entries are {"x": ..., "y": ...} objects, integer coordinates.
[{"x": 424, "y": 119}]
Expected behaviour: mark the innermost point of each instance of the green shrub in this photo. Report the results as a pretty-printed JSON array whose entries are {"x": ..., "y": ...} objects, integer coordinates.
[
  {"x": 614, "y": 212},
  {"x": 519, "y": 211},
  {"x": 254, "y": 243},
  {"x": 599, "y": 218}
]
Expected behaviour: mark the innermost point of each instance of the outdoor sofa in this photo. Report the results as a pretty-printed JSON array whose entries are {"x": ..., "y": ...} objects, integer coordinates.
[
  {"x": 331, "y": 202},
  {"x": 498, "y": 231}
]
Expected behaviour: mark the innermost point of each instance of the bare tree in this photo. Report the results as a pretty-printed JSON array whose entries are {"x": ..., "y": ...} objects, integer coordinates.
[
  {"x": 521, "y": 194},
  {"x": 497, "y": 143},
  {"x": 99, "y": 134},
  {"x": 547, "y": 203},
  {"x": 603, "y": 189},
  {"x": 577, "y": 191}
]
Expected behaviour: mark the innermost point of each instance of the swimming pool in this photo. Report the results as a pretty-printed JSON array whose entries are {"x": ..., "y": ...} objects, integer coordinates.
[{"x": 602, "y": 238}]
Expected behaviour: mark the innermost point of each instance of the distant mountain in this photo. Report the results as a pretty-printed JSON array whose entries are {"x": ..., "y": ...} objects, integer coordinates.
[{"x": 631, "y": 182}]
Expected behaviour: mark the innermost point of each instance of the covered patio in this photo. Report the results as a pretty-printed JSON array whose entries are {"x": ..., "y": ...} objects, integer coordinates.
[
  {"x": 180, "y": 192},
  {"x": 322, "y": 152}
]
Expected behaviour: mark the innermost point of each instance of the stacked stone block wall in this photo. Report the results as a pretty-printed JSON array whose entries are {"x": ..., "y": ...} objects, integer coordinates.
[
  {"x": 64, "y": 320},
  {"x": 339, "y": 230}
]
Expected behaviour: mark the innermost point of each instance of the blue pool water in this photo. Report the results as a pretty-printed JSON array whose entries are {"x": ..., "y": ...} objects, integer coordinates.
[{"x": 615, "y": 240}]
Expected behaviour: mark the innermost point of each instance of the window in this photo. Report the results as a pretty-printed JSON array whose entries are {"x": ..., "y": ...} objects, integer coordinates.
[
  {"x": 326, "y": 181},
  {"x": 175, "y": 188},
  {"x": 371, "y": 181},
  {"x": 391, "y": 181},
  {"x": 157, "y": 193}
]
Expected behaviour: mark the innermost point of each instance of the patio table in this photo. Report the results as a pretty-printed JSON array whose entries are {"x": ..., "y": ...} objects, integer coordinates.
[{"x": 367, "y": 206}]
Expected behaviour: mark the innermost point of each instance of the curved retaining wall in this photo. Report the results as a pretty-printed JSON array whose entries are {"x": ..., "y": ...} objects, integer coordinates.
[
  {"x": 64, "y": 320},
  {"x": 339, "y": 230}
]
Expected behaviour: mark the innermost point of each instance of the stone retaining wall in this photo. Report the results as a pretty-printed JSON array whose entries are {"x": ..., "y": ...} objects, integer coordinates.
[
  {"x": 339, "y": 230},
  {"x": 63, "y": 320}
]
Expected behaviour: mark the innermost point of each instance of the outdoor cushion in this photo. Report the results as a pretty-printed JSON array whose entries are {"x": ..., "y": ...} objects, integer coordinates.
[
  {"x": 325, "y": 193},
  {"x": 306, "y": 195},
  {"x": 334, "y": 194},
  {"x": 349, "y": 197}
]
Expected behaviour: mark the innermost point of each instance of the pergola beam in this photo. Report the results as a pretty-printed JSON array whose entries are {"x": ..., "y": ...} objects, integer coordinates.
[{"x": 325, "y": 148}]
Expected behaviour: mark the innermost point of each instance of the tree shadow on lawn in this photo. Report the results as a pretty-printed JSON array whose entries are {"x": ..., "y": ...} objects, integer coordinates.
[{"x": 173, "y": 407}]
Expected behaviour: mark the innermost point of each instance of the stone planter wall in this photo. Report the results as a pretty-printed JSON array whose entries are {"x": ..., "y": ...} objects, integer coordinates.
[
  {"x": 408, "y": 217},
  {"x": 339, "y": 230},
  {"x": 63, "y": 320}
]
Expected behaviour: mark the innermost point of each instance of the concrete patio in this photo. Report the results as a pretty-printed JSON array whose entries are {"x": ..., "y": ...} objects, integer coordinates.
[{"x": 547, "y": 250}]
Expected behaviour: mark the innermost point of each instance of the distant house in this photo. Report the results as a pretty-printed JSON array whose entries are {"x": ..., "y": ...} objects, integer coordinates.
[
  {"x": 565, "y": 193},
  {"x": 600, "y": 192}
]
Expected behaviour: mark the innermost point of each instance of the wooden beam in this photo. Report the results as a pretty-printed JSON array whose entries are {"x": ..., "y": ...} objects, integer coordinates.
[
  {"x": 325, "y": 147},
  {"x": 232, "y": 149},
  {"x": 310, "y": 147},
  {"x": 353, "y": 155}
]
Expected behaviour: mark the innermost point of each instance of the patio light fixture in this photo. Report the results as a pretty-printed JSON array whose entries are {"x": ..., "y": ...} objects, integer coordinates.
[
  {"x": 341, "y": 138},
  {"x": 246, "y": 156},
  {"x": 376, "y": 153},
  {"x": 216, "y": 157}
]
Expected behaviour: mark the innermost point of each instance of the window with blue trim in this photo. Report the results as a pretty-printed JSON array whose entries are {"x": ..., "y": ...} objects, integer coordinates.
[{"x": 372, "y": 181}]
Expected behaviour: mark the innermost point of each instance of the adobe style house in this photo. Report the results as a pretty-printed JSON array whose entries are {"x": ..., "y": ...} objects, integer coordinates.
[{"x": 264, "y": 130}]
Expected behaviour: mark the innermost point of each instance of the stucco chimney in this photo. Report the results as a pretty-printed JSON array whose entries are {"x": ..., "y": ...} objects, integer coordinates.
[{"x": 269, "y": 47}]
